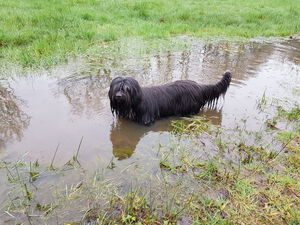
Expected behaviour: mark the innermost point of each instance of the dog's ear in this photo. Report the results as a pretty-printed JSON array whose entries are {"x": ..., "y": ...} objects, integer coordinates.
[
  {"x": 113, "y": 85},
  {"x": 136, "y": 93}
]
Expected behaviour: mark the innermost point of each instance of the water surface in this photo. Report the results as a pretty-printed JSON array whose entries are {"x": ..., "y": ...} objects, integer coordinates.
[{"x": 44, "y": 110}]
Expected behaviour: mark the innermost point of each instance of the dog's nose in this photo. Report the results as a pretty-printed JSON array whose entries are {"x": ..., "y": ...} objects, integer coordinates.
[{"x": 118, "y": 95}]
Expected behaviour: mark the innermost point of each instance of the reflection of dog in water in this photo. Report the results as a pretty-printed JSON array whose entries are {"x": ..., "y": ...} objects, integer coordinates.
[
  {"x": 125, "y": 135},
  {"x": 147, "y": 104}
]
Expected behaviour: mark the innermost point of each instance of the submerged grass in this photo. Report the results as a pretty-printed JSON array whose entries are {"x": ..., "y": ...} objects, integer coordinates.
[
  {"x": 43, "y": 33},
  {"x": 238, "y": 183}
]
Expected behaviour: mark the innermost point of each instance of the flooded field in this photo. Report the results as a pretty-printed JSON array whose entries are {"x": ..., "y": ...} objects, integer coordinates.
[{"x": 53, "y": 115}]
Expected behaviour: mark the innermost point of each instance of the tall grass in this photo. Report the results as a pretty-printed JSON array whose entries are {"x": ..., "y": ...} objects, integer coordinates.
[{"x": 43, "y": 33}]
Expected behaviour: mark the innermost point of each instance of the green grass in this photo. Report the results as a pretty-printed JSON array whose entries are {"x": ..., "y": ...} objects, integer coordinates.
[{"x": 37, "y": 33}]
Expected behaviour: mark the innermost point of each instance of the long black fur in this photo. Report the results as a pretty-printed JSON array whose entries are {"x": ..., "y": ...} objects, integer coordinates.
[{"x": 147, "y": 104}]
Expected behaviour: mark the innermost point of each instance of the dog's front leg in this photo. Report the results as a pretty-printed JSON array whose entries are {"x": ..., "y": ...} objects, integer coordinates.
[{"x": 147, "y": 119}]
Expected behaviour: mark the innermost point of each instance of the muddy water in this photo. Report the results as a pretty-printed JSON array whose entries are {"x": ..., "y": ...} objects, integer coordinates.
[{"x": 40, "y": 112}]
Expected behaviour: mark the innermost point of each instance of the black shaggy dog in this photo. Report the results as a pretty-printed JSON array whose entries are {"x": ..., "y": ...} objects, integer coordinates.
[{"x": 146, "y": 104}]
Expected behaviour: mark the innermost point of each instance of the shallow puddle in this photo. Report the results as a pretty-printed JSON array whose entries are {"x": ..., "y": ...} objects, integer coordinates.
[
  {"x": 56, "y": 109},
  {"x": 42, "y": 111}
]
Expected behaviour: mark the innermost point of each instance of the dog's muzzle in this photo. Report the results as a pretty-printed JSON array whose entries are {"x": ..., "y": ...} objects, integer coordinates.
[{"x": 119, "y": 97}]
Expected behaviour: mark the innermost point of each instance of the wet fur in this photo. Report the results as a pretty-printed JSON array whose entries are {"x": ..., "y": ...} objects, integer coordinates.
[{"x": 147, "y": 104}]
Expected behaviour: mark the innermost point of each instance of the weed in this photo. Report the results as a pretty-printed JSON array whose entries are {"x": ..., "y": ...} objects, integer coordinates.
[
  {"x": 262, "y": 102},
  {"x": 292, "y": 115},
  {"x": 189, "y": 126}
]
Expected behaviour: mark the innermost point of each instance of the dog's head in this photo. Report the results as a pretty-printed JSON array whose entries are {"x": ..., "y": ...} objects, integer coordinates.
[{"x": 125, "y": 94}]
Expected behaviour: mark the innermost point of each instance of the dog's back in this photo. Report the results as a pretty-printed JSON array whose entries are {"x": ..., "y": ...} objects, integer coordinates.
[{"x": 184, "y": 97}]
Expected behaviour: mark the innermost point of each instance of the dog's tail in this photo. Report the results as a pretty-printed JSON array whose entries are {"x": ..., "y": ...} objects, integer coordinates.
[{"x": 213, "y": 92}]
